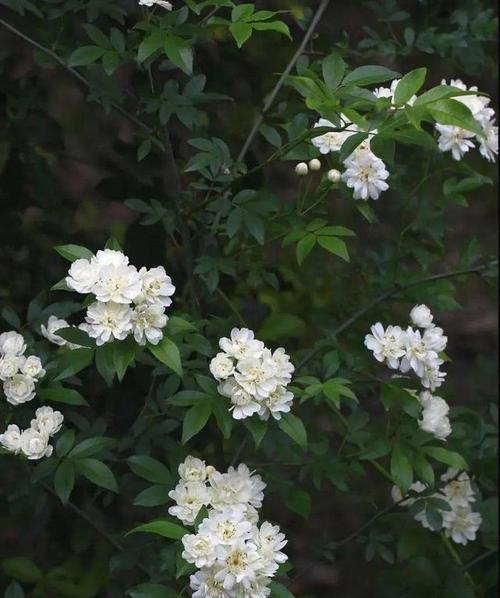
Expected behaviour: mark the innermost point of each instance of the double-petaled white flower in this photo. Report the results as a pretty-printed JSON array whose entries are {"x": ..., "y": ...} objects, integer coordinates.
[
  {"x": 366, "y": 174},
  {"x": 119, "y": 284},
  {"x": 10, "y": 365},
  {"x": 83, "y": 276},
  {"x": 19, "y": 389},
  {"x": 194, "y": 470},
  {"x": 386, "y": 344},
  {"x": 242, "y": 344},
  {"x": 35, "y": 444},
  {"x": 11, "y": 439},
  {"x": 221, "y": 366},
  {"x": 421, "y": 316},
  {"x": 461, "y": 524},
  {"x": 12, "y": 343},
  {"x": 32, "y": 366},
  {"x": 148, "y": 322},
  {"x": 156, "y": 287},
  {"x": 189, "y": 497},
  {"x": 47, "y": 421},
  {"x": 108, "y": 321},
  {"x": 434, "y": 419}
]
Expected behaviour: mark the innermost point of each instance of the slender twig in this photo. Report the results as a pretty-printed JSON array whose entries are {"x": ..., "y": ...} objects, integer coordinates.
[
  {"x": 458, "y": 560},
  {"x": 396, "y": 289},
  {"x": 232, "y": 306},
  {"x": 480, "y": 558},
  {"x": 72, "y": 71},
  {"x": 279, "y": 84},
  {"x": 239, "y": 451}
]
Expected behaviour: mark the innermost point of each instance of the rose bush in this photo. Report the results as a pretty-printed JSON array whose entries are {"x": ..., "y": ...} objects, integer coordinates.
[{"x": 259, "y": 338}]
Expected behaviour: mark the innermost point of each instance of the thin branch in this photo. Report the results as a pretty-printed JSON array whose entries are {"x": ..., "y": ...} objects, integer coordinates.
[
  {"x": 480, "y": 558},
  {"x": 83, "y": 80},
  {"x": 272, "y": 96},
  {"x": 387, "y": 295}
]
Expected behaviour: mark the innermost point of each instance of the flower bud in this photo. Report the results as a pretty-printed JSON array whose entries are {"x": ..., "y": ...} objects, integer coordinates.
[
  {"x": 333, "y": 175},
  {"x": 315, "y": 164},
  {"x": 301, "y": 169}
]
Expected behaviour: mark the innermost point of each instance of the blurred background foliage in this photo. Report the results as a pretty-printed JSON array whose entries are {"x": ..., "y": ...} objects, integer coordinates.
[{"x": 68, "y": 166}]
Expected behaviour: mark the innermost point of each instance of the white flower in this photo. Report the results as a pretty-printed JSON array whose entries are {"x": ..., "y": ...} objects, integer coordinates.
[
  {"x": 257, "y": 375},
  {"x": 156, "y": 287},
  {"x": 221, "y": 366},
  {"x": 110, "y": 257},
  {"x": 204, "y": 585},
  {"x": 461, "y": 524},
  {"x": 489, "y": 141},
  {"x": 434, "y": 339},
  {"x": 193, "y": 470},
  {"x": 83, "y": 275},
  {"x": 284, "y": 368},
  {"x": 478, "y": 105},
  {"x": 49, "y": 331},
  {"x": 199, "y": 549},
  {"x": 421, "y": 316},
  {"x": 458, "y": 491},
  {"x": 32, "y": 366},
  {"x": 418, "y": 354},
  {"x": 315, "y": 164},
  {"x": 301, "y": 169},
  {"x": 388, "y": 92},
  {"x": 387, "y": 345},
  {"x": 119, "y": 284},
  {"x": 148, "y": 322},
  {"x": 10, "y": 365},
  {"x": 236, "y": 487},
  {"x": 334, "y": 175},
  {"x": 47, "y": 421},
  {"x": 270, "y": 542},
  {"x": 333, "y": 140},
  {"x": 240, "y": 565},
  {"x": 243, "y": 403},
  {"x": 278, "y": 402},
  {"x": 35, "y": 444},
  {"x": 241, "y": 344},
  {"x": 11, "y": 439},
  {"x": 366, "y": 174},
  {"x": 19, "y": 389},
  {"x": 163, "y": 3},
  {"x": 12, "y": 343},
  {"x": 190, "y": 497},
  {"x": 435, "y": 419},
  {"x": 455, "y": 140},
  {"x": 108, "y": 321},
  {"x": 432, "y": 376},
  {"x": 227, "y": 525}
]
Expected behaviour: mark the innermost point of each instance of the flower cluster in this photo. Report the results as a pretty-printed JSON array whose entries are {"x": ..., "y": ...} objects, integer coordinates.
[
  {"x": 18, "y": 373},
  {"x": 459, "y": 521},
  {"x": 152, "y": 3},
  {"x": 33, "y": 442},
  {"x": 116, "y": 286},
  {"x": 252, "y": 377},
  {"x": 417, "y": 351},
  {"x": 365, "y": 172},
  {"x": 459, "y": 141},
  {"x": 235, "y": 556}
]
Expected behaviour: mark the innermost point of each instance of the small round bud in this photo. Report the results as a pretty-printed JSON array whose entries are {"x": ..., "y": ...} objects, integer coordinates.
[
  {"x": 210, "y": 470},
  {"x": 301, "y": 169},
  {"x": 315, "y": 164},
  {"x": 333, "y": 175}
]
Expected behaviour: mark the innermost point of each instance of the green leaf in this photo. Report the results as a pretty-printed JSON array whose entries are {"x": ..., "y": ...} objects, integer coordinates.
[
  {"x": 162, "y": 527},
  {"x": 168, "y": 353},
  {"x": 76, "y": 336},
  {"x": 14, "y": 590},
  {"x": 152, "y": 590},
  {"x": 123, "y": 355},
  {"x": 178, "y": 325},
  {"x": 292, "y": 426},
  {"x": 195, "y": 420},
  {"x": 69, "y": 396},
  {"x": 97, "y": 36},
  {"x": 98, "y": 473},
  {"x": 401, "y": 469},
  {"x": 150, "y": 45},
  {"x": 65, "y": 442},
  {"x": 369, "y": 74},
  {"x": 179, "y": 52},
  {"x": 73, "y": 252},
  {"x": 299, "y": 501},
  {"x": 64, "y": 480},
  {"x": 443, "y": 455},
  {"x": 277, "y": 26},
  {"x": 409, "y": 85},
  {"x": 85, "y": 55},
  {"x": 350, "y": 144},
  {"x": 242, "y": 12},
  {"x": 73, "y": 362},
  {"x": 91, "y": 446},
  {"x": 222, "y": 417},
  {"x": 150, "y": 469},
  {"x": 258, "y": 429},
  {"x": 304, "y": 247},
  {"x": 22, "y": 569},
  {"x": 440, "y": 92},
  {"x": 241, "y": 32},
  {"x": 452, "y": 112},
  {"x": 105, "y": 362},
  {"x": 154, "y": 496},
  {"x": 280, "y": 591},
  {"x": 333, "y": 68},
  {"x": 335, "y": 246}
]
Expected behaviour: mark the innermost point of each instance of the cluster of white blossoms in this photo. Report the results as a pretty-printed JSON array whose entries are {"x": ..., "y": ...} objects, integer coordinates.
[
  {"x": 236, "y": 556},
  {"x": 151, "y": 3},
  {"x": 417, "y": 351},
  {"x": 18, "y": 373},
  {"x": 459, "y": 141},
  {"x": 365, "y": 173},
  {"x": 128, "y": 301},
  {"x": 33, "y": 442},
  {"x": 460, "y": 522},
  {"x": 252, "y": 377}
]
